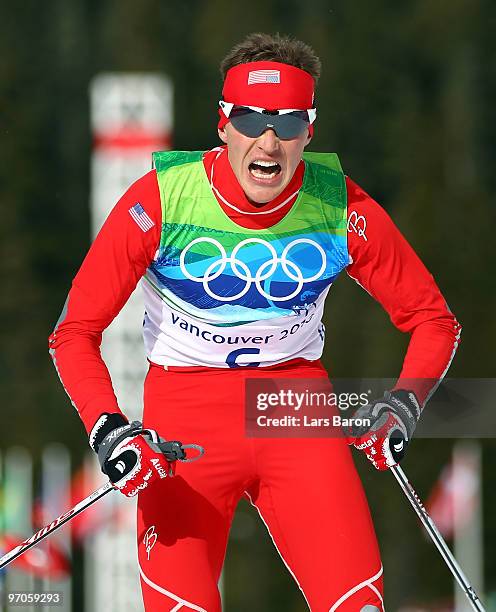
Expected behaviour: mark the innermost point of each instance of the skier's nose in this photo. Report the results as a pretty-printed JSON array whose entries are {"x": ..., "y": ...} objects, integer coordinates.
[{"x": 268, "y": 141}]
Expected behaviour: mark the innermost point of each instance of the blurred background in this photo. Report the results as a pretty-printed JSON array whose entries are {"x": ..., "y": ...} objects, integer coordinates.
[{"x": 406, "y": 98}]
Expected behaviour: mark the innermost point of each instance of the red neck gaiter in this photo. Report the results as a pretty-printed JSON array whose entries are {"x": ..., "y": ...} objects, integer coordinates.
[{"x": 233, "y": 200}]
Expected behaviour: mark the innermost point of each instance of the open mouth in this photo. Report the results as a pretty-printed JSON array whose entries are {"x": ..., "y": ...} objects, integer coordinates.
[{"x": 265, "y": 170}]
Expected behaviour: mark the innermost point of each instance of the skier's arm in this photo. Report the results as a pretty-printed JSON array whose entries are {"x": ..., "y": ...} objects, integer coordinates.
[
  {"x": 386, "y": 266},
  {"x": 116, "y": 261}
]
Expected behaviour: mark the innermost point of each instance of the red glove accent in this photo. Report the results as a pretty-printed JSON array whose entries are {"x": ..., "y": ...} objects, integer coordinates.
[
  {"x": 140, "y": 470},
  {"x": 378, "y": 446}
]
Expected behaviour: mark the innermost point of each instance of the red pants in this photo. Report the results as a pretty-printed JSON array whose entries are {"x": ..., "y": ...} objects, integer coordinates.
[{"x": 313, "y": 506}]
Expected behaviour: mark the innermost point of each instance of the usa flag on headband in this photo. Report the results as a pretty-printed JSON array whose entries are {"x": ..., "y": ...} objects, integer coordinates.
[
  {"x": 139, "y": 215},
  {"x": 264, "y": 76}
]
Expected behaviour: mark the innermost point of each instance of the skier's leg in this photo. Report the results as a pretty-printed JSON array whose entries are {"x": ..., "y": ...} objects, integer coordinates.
[
  {"x": 182, "y": 533},
  {"x": 316, "y": 512},
  {"x": 183, "y": 522}
]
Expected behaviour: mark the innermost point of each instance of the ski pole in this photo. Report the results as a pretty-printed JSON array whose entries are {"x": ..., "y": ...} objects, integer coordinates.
[
  {"x": 54, "y": 525},
  {"x": 437, "y": 538},
  {"x": 173, "y": 450}
]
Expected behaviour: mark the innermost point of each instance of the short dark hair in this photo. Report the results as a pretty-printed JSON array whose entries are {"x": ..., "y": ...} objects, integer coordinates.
[{"x": 259, "y": 47}]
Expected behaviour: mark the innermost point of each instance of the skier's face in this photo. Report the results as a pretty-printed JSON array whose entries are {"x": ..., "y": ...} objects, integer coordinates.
[{"x": 264, "y": 165}]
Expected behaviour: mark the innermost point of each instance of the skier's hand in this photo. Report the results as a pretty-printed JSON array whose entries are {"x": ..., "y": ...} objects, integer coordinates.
[
  {"x": 391, "y": 423},
  {"x": 129, "y": 455}
]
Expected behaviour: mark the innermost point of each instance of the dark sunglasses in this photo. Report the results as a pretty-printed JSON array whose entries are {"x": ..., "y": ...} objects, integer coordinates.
[{"x": 253, "y": 121}]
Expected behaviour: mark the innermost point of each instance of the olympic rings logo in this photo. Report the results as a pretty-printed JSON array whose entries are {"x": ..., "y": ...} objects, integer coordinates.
[{"x": 242, "y": 271}]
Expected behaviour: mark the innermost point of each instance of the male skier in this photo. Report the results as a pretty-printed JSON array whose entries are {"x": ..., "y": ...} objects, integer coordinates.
[{"x": 235, "y": 245}]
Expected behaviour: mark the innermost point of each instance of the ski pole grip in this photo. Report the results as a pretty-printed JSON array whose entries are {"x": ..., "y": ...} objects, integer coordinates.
[{"x": 172, "y": 450}]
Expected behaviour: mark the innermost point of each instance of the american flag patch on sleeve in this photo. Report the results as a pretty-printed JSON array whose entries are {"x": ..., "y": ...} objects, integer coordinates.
[
  {"x": 264, "y": 76},
  {"x": 139, "y": 215}
]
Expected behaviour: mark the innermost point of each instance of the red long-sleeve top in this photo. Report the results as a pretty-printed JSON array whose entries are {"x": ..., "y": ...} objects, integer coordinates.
[{"x": 381, "y": 261}]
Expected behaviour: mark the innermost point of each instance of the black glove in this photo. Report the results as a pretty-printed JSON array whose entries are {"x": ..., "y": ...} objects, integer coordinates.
[
  {"x": 132, "y": 457},
  {"x": 384, "y": 428}
]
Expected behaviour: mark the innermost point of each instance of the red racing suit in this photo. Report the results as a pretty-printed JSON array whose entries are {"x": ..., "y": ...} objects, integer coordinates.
[{"x": 183, "y": 522}]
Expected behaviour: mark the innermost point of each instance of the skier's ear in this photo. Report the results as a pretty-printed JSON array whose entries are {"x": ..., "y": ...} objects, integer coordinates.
[{"x": 222, "y": 134}]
